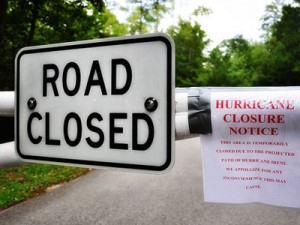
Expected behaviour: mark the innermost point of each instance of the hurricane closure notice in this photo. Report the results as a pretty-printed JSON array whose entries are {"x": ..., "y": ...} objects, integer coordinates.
[{"x": 252, "y": 154}]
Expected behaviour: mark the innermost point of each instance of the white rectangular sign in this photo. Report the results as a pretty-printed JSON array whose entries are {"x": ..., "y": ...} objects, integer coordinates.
[
  {"x": 253, "y": 153},
  {"x": 101, "y": 103}
]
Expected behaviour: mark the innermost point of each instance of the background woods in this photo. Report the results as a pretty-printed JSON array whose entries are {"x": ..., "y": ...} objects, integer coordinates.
[{"x": 234, "y": 62}]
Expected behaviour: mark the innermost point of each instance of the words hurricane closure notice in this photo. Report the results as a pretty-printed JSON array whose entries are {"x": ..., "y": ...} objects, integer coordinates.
[{"x": 253, "y": 153}]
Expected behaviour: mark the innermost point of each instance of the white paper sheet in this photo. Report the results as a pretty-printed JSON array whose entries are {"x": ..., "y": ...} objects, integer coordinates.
[{"x": 253, "y": 153}]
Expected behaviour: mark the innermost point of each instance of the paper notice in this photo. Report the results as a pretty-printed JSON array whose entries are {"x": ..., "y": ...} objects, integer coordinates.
[{"x": 253, "y": 153}]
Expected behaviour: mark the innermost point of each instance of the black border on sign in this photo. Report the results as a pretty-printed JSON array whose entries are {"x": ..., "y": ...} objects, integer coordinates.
[{"x": 101, "y": 43}]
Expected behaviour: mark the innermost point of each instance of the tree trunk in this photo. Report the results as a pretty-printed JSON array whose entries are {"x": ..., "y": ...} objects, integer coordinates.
[
  {"x": 141, "y": 18},
  {"x": 3, "y": 9},
  {"x": 34, "y": 17}
]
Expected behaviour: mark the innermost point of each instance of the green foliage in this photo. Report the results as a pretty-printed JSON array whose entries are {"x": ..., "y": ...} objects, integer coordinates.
[
  {"x": 284, "y": 49},
  {"x": 23, "y": 182},
  {"x": 238, "y": 62},
  {"x": 33, "y": 22},
  {"x": 202, "y": 11},
  {"x": 190, "y": 43},
  {"x": 159, "y": 8},
  {"x": 111, "y": 26},
  {"x": 272, "y": 15},
  {"x": 217, "y": 67},
  {"x": 275, "y": 62},
  {"x": 231, "y": 63},
  {"x": 235, "y": 62},
  {"x": 146, "y": 15},
  {"x": 137, "y": 21}
]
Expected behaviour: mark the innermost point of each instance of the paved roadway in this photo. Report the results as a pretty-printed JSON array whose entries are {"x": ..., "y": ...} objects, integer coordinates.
[{"x": 106, "y": 197}]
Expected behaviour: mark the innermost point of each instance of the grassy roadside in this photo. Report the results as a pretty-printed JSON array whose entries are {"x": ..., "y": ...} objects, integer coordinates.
[{"x": 20, "y": 183}]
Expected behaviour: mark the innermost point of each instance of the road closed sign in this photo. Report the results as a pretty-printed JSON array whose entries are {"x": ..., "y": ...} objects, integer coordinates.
[{"x": 103, "y": 103}]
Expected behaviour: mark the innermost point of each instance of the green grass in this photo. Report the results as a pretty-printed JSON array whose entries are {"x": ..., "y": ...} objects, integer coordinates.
[{"x": 20, "y": 183}]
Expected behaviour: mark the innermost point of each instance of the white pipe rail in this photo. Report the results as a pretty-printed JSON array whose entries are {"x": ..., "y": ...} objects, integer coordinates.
[
  {"x": 192, "y": 116},
  {"x": 9, "y": 158},
  {"x": 182, "y": 129},
  {"x": 7, "y": 104}
]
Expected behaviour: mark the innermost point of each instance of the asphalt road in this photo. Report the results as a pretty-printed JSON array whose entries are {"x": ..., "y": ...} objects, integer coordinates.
[{"x": 106, "y": 197}]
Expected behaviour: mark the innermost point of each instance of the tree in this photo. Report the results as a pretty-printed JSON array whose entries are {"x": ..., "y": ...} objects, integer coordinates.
[
  {"x": 33, "y": 22},
  {"x": 239, "y": 71},
  {"x": 3, "y": 9},
  {"x": 146, "y": 15},
  {"x": 3, "y": 21},
  {"x": 159, "y": 8},
  {"x": 272, "y": 15},
  {"x": 190, "y": 42},
  {"x": 217, "y": 67},
  {"x": 283, "y": 45},
  {"x": 136, "y": 21},
  {"x": 237, "y": 62},
  {"x": 111, "y": 26}
]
